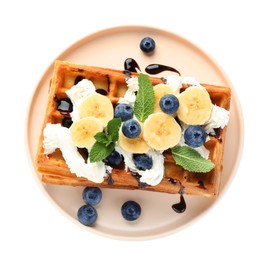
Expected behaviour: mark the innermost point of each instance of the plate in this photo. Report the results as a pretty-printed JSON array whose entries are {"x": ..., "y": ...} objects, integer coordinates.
[{"x": 110, "y": 48}]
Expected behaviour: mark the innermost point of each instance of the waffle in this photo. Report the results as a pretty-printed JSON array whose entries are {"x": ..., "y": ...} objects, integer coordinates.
[{"x": 53, "y": 168}]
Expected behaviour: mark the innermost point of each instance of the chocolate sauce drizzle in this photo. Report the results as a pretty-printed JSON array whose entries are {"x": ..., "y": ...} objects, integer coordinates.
[
  {"x": 64, "y": 105},
  {"x": 78, "y": 79},
  {"x": 172, "y": 181},
  {"x": 158, "y": 68},
  {"x": 101, "y": 91},
  {"x": 142, "y": 185},
  {"x": 130, "y": 65},
  {"x": 181, "y": 206},
  {"x": 110, "y": 179},
  {"x": 218, "y": 134}
]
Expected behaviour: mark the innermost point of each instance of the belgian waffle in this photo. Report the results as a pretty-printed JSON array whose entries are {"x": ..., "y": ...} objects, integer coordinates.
[{"x": 53, "y": 169}]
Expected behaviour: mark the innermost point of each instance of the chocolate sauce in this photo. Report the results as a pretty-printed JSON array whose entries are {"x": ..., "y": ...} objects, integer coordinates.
[
  {"x": 164, "y": 80},
  {"x": 64, "y": 105},
  {"x": 137, "y": 177},
  {"x": 110, "y": 179},
  {"x": 172, "y": 181},
  {"x": 218, "y": 133},
  {"x": 66, "y": 122},
  {"x": 181, "y": 206},
  {"x": 131, "y": 65},
  {"x": 158, "y": 68},
  {"x": 108, "y": 81},
  {"x": 84, "y": 152},
  {"x": 101, "y": 91},
  {"x": 201, "y": 185},
  {"x": 78, "y": 79},
  {"x": 127, "y": 74}
]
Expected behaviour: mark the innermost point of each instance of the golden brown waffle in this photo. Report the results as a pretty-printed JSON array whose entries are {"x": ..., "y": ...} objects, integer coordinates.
[{"x": 53, "y": 168}]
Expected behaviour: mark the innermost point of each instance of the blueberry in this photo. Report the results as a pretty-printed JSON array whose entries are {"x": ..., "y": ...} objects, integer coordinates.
[
  {"x": 124, "y": 111},
  {"x": 131, "y": 210},
  {"x": 169, "y": 104},
  {"x": 195, "y": 136},
  {"x": 131, "y": 128},
  {"x": 92, "y": 195},
  {"x": 114, "y": 158},
  {"x": 147, "y": 44},
  {"x": 87, "y": 215},
  {"x": 143, "y": 162}
]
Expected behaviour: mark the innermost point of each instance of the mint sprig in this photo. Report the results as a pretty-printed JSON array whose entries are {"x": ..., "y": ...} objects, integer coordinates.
[
  {"x": 105, "y": 142},
  {"x": 144, "y": 105},
  {"x": 191, "y": 160}
]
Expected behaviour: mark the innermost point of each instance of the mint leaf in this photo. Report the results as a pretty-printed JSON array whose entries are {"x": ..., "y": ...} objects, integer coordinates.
[
  {"x": 100, "y": 151},
  {"x": 113, "y": 128},
  {"x": 191, "y": 160},
  {"x": 101, "y": 138},
  {"x": 144, "y": 105},
  {"x": 105, "y": 143}
]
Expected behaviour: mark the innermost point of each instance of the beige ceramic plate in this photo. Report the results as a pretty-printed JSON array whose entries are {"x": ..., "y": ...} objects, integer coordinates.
[{"x": 109, "y": 48}]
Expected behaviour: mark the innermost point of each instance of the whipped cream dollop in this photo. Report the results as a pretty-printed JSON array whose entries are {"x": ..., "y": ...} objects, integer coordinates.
[
  {"x": 152, "y": 176},
  {"x": 78, "y": 93},
  {"x": 57, "y": 136},
  {"x": 219, "y": 118},
  {"x": 130, "y": 95},
  {"x": 175, "y": 82}
]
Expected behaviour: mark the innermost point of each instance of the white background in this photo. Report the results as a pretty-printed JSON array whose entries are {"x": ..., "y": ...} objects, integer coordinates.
[{"x": 240, "y": 37}]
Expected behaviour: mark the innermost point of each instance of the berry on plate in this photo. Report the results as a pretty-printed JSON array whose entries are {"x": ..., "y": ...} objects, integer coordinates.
[
  {"x": 131, "y": 210},
  {"x": 147, "y": 44},
  {"x": 92, "y": 195},
  {"x": 87, "y": 215}
]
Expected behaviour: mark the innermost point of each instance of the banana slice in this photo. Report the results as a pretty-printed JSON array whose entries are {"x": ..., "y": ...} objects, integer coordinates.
[
  {"x": 195, "y": 106},
  {"x": 98, "y": 106},
  {"x": 161, "y": 131},
  {"x": 161, "y": 90},
  {"x": 83, "y": 131},
  {"x": 133, "y": 145}
]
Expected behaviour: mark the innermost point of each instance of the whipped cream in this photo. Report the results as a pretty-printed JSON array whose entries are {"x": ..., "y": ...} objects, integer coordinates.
[
  {"x": 78, "y": 93},
  {"x": 57, "y": 136},
  {"x": 218, "y": 119},
  {"x": 130, "y": 96},
  {"x": 175, "y": 82},
  {"x": 152, "y": 176},
  {"x": 190, "y": 81}
]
